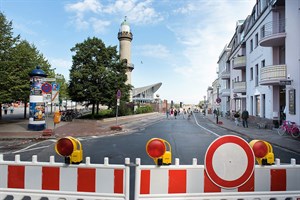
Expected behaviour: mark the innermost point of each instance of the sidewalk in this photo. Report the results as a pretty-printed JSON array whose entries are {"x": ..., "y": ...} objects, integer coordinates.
[
  {"x": 254, "y": 133},
  {"x": 16, "y": 128}
]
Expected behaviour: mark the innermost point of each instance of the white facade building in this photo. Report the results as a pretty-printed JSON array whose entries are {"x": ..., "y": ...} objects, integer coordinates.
[{"x": 261, "y": 64}]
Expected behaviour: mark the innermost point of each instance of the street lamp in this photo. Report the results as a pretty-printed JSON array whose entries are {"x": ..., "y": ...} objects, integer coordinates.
[
  {"x": 218, "y": 101},
  {"x": 204, "y": 97}
]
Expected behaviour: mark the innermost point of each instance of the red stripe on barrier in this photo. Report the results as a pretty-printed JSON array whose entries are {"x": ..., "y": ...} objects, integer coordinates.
[
  {"x": 86, "y": 180},
  {"x": 177, "y": 181},
  {"x": 248, "y": 186},
  {"x": 278, "y": 180},
  {"x": 209, "y": 186},
  {"x": 119, "y": 181},
  {"x": 16, "y": 176},
  {"x": 145, "y": 182},
  {"x": 50, "y": 178}
]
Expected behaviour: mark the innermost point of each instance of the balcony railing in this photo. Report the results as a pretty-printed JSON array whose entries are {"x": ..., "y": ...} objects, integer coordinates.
[
  {"x": 225, "y": 93},
  {"x": 225, "y": 74},
  {"x": 239, "y": 87},
  {"x": 272, "y": 75},
  {"x": 273, "y": 33},
  {"x": 239, "y": 62}
]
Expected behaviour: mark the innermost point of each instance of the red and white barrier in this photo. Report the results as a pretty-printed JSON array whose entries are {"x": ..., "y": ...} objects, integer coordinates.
[
  {"x": 88, "y": 179},
  {"x": 189, "y": 181}
]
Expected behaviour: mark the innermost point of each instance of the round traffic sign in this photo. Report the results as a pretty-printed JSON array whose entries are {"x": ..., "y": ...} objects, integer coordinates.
[
  {"x": 218, "y": 100},
  {"x": 118, "y": 94},
  {"x": 229, "y": 161},
  {"x": 46, "y": 87}
]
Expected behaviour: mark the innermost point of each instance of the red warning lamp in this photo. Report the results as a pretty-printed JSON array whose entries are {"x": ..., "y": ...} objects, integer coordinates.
[
  {"x": 70, "y": 148},
  {"x": 64, "y": 147},
  {"x": 263, "y": 152},
  {"x": 157, "y": 150},
  {"x": 260, "y": 149}
]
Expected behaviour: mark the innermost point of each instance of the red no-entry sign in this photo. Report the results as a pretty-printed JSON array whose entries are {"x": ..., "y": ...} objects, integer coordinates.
[{"x": 229, "y": 161}]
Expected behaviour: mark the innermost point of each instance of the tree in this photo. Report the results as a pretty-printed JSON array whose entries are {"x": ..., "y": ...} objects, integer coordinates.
[
  {"x": 97, "y": 74},
  {"x": 7, "y": 43},
  {"x": 25, "y": 57}
]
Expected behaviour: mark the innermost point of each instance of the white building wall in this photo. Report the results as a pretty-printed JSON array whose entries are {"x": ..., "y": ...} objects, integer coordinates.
[{"x": 293, "y": 53}]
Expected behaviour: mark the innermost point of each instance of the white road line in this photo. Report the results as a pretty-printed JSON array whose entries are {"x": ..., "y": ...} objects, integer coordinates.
[
  {"x": 26, "y": 149},
  {"x": 217, "y": 135}
]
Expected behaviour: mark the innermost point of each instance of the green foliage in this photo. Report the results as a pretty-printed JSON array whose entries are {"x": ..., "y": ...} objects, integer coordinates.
[
  {"x": 101, "y": 115},
  {"x": 144, "y": 109},
  {"x": 97, "y": 74},
  {"x": 17, "y": 59},
  {"x": 125, "y": 108}
]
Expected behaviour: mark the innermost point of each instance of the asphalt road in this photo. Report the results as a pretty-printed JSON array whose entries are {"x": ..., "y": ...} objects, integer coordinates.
[{"x": 188, "y": 138}]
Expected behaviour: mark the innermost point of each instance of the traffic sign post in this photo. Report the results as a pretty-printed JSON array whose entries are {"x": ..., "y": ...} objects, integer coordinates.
[{"x": 118, "y": 103}]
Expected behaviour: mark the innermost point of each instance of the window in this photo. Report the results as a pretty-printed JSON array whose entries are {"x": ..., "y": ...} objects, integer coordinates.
[
  {"x": 257, "y": 105},
  {"x": 251, "y": 45},
  {"x": 256, "y": 40},
  {"x": 251, "y": 73},
  {"x": 263, "y": 63},
  {"x": 262, "y": 31},
  {"x": 256, "y": 75}
]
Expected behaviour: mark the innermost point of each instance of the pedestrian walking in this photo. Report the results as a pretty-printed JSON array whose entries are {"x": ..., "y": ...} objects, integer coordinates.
[
  {"x": 245, "y": 116},
  {"x": 167, "y": 113},
  {"x": 175, "y": 113},
  {"x": 11, "y": 108}
]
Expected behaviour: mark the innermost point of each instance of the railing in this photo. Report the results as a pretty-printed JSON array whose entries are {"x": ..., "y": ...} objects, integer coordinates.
[
  {"x": 273, "y": 27},
  {"x": 239, "y": 87},
  {"x": 239, "y": 62},
  {"x": 272, "y": 74},
  {"x": 225, "y": 74}
]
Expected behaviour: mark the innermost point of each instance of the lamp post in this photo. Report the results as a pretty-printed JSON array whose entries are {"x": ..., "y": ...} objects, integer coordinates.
[
  {"x": 218, "y": 101},
  {"x": 204, "y": 97}
]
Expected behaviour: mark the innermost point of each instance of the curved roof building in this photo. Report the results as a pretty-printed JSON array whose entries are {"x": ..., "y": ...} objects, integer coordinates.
[{"x": 145, "y": 94}]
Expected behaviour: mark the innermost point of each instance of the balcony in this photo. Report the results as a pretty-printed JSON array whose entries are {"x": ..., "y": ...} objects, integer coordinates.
[
  {"x": 225, "y": 74},
  {"x": 225, "y": 93},
  {"x": 239, "y": 62},
  {"x": 239, "y": 87},
  {"x": 272, "y": 75},
  {"x": 273, "y": 34}
]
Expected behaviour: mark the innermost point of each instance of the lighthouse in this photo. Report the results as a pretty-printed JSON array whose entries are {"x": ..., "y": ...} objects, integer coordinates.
[{"x": 125, "y": 37}]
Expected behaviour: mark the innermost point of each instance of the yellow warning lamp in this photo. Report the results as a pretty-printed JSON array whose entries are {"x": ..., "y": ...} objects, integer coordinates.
[
  {"x": 71, "y": 149},
  {"x": 56, "y": 117},
  {"x": 156, "y": 148},
  {"x": 263, "y": 152}
]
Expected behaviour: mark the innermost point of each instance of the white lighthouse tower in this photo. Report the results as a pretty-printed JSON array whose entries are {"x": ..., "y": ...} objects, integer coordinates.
[{"x": 125, "y": 38}]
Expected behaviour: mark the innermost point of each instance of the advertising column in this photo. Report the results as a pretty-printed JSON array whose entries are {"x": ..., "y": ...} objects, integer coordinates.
[{"x": 36, "y": 103}]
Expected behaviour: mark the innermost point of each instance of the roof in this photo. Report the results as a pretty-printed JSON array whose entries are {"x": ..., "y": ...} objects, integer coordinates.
[{"x": 136, "y": 91}]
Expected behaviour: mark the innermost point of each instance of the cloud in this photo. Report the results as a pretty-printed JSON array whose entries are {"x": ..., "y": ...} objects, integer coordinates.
[
  {"x": 99, "y": 25},
  {"x": 153, "y": 51},
  {"x": 91, "y": 13},
  {"x": 60, "y": 63},
  {"x": 85, "y": 6}
]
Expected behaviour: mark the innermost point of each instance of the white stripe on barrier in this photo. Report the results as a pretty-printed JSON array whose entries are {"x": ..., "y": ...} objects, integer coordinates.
[
  {"x": 157, "y": 181},
  {"x": 104, "y": 180}
]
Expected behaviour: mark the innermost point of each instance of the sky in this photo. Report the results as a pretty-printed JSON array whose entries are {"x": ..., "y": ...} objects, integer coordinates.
[{"x": 175, "y": 42}]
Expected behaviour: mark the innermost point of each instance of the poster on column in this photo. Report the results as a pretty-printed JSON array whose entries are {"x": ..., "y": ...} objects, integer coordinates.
[
  {"x": 36, "y": 85},
  {"x": 37, "y": 111}
]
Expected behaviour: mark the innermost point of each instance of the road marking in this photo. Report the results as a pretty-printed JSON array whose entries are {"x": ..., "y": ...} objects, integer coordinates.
[
  {"x": 29, "y": 148},
  {"x": 217, "y": 135}
]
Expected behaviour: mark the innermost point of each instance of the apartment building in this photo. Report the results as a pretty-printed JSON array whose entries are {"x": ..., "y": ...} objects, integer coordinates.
[{"x": 259, "y": 70}]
